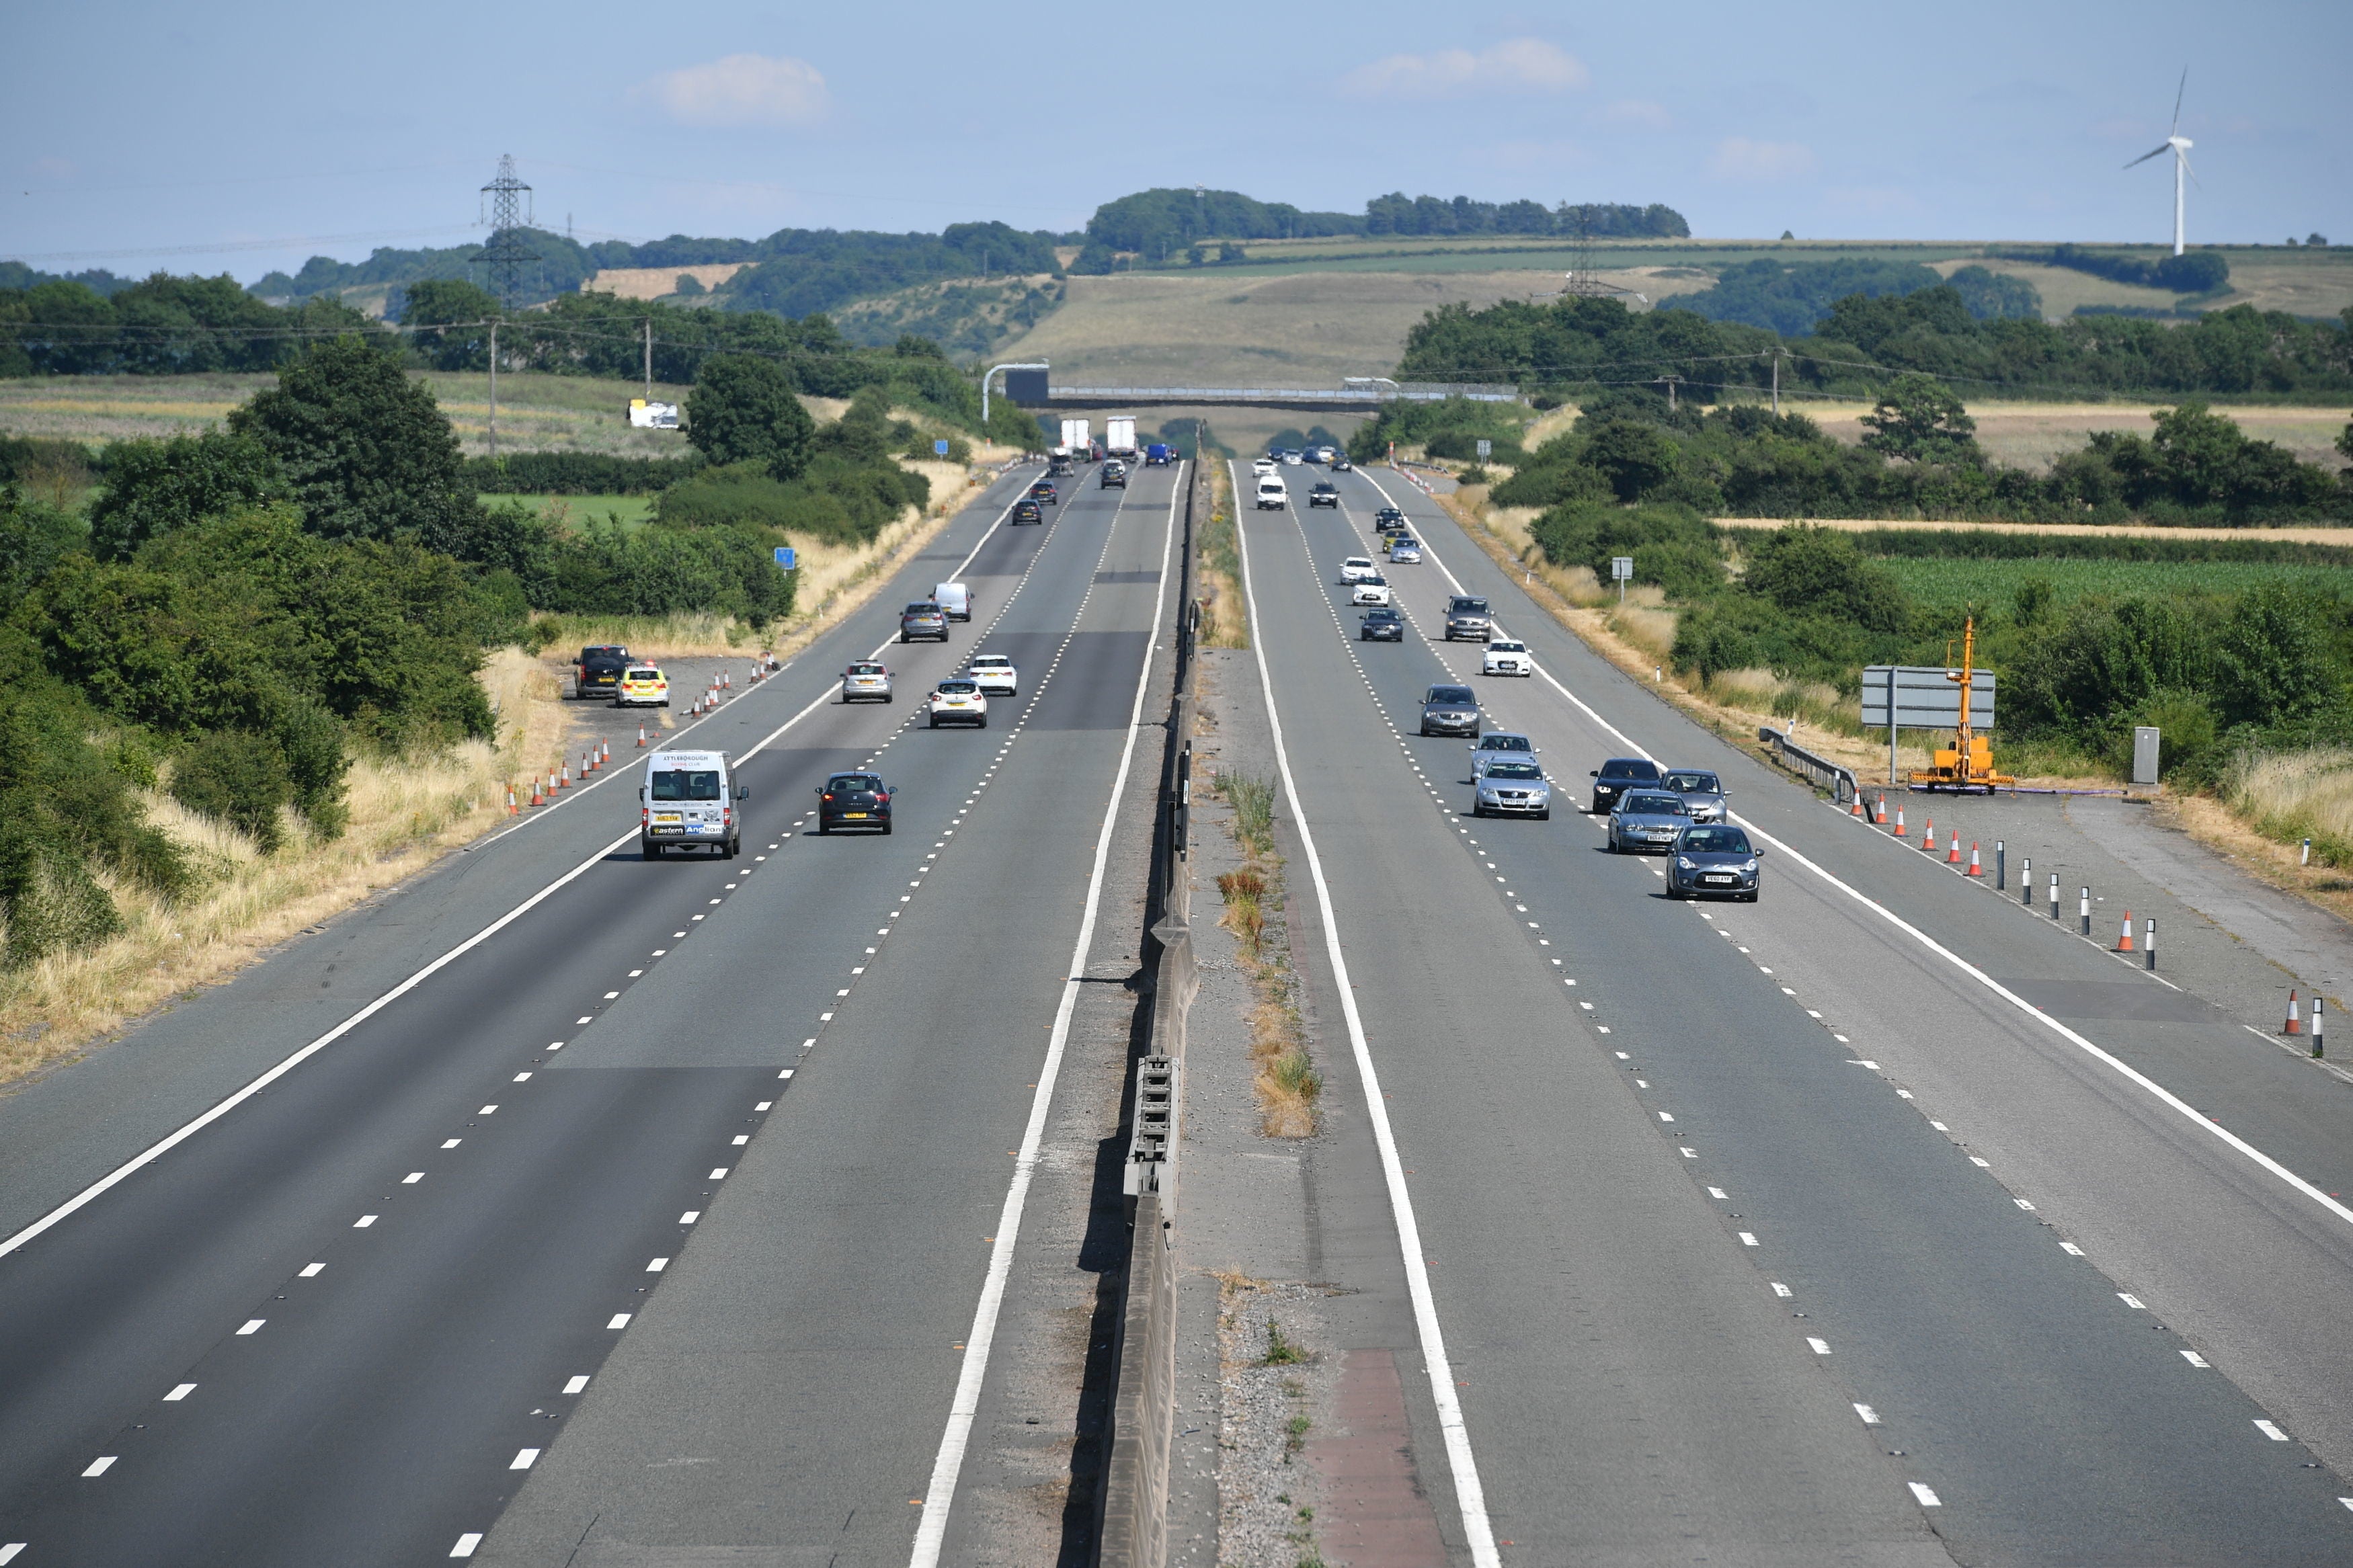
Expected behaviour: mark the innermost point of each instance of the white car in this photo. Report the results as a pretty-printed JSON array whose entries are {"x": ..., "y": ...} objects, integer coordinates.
[
  {"x": 958, "y": 700},
  {"x": 1356, "y": 568},
  {"x": 995, "y": 674},
  {"x": 1263, "y": 466},
  {"x": 1507, "y": 658},
  {"x": 1372, "y": 590}
]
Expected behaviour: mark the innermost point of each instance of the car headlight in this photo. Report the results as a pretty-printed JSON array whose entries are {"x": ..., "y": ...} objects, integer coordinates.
[
  {"x": 1683, "y": 863},
  {"x": 1748, "y": 865}
]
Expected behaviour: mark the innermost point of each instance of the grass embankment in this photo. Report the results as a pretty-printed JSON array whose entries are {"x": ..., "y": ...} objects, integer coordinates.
[
  {"x": 1285, "y": 1079},
  {"x": 1224, "y": 617},
  {"x": 406, "y": 812}
]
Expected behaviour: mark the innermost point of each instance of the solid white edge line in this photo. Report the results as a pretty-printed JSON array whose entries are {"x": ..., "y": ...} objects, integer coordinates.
[
  {"x": 939, "y": 1496},
  {"x": 2106, "y": 1058},
  {"x": 1470, "y": 1494},
  {"x": 157, "y": 1151}
]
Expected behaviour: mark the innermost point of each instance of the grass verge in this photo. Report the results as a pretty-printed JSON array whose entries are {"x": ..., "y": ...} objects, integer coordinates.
[
  {"x": 1225, "y": 623},
  {"x": 1287, "y": 1085}
]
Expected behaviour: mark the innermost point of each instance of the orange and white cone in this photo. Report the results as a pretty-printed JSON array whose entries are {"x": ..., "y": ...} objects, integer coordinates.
[
  {"x": 1854, "y": 807},
  {"x": 538, "y": 796},
  {"x": 2125, "y": 944},
  {"x": 641, "y": 737},
  {"x": 1955, "y": 858},
  {"x": 1978, "y": 870},
  {"x": 564, "y": 778},
  {"x": 727, "y": 679},
  {"x": 511, "y": 800},
  {"x": 1899, "y": 820},
  {"x": 607, "y": 748},
  {"x": 2294, "y": 1018},
  {"x": 1882, "y": 817},
  {"x": 1928, "y": 839}
]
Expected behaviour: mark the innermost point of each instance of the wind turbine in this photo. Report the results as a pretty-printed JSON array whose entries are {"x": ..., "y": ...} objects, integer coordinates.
[{"x": 2179, "y": 145}]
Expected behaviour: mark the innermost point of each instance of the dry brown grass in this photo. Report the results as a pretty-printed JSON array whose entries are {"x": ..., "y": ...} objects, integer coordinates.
[
  {"x": 1225, "y": 619},
  {"x": 2033, "y": 435},
  {"x": 1283, "y": 1074},
  {"x": 406, "y": 813},
  {"x": 2289, "y": 796}
]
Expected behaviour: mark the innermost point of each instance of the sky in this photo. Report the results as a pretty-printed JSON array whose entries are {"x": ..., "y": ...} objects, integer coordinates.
[{"x": 136, "y": 136}]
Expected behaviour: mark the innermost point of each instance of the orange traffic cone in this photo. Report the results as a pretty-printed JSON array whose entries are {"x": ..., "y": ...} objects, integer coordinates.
[
  {"x": 1928, "y": 839},
  {"x": 564, "y": 778},
  {"x": 1975, "y": 869},
  {"x": 2125, "y": 944},
  {"x": 1899, "y": 820},
  {"x": 727, "y": 679},
  {"x": 1854, "y": 807},
  {"x": 511, "y": 800},
  {"x": 2295, "y": 1021},
  {"x": 1882, "y": 817},
  {"x": 538, "y": 797},
  {"x": 1955, "y": 858},
  {"x": 606, "y": 747},
  {"x": 641, "y": 737}
]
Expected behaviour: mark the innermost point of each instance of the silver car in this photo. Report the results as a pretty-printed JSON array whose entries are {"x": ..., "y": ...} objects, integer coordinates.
[
  {"x": 866, "y": 680},
  {"x": 1715, "y": 858},
  {"x": 1646, "y": 821},
  {"x": 1499, "y": 746},
  {"x": 1466, "y": 616},
  {"x": 1511, "y": 786},
  {"x": 1702, "y": 791}
]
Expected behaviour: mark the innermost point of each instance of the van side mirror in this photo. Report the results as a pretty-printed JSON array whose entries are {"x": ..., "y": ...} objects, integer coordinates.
[
  {"x": 742, "y": 792},
  {"x": 1593, "y": 772}
]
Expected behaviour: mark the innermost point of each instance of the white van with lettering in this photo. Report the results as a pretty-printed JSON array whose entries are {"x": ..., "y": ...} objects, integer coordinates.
[{"x": 688, "y": 797}]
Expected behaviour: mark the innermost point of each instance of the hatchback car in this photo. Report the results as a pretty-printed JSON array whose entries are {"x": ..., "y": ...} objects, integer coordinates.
[
  {"x": 923, "y": 620},
  {"x": 642, "y": 686},
  {"x": 1382, "y": 625},
  {"x": 958, "y": 700},
  {"x": 853, "y": 800},
  {"x": 995, "y": 674},
  {"x": 1500, "y": 745},
  {"x": 1325, "y": 494},
  {"x": 1702, "y": 791},
  {"x": 1340, "y": 464},
  {"x": 1388, "y": 520},
  {"x": 1044, "y": 493},
  {"x": 1504, "y": 656},
  {"x": 1450, "y": 710},
  {"x": 1356, "y": 568},
  {"x": 1468, "y": 618},
  {"x": 1647, "y": 820},
  {"x": 1115, "y": 475},
  {"x": 1511, "y": 786},
  {"x": 1263, "y": 466},
  {"x": 1372, "y": 590},
  {"x": 1293, "y": 456},
  {"x": 1026, "y": 510},
  {"x": 866, "y": 680},
  {"x": 1620, "y": 775},
  {"x": 1404, "y": 551},
  {"x": 1713, "y": 860}
]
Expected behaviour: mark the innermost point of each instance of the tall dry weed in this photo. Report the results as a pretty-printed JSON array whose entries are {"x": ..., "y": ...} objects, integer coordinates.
[{"x": 2288, "y": 796}]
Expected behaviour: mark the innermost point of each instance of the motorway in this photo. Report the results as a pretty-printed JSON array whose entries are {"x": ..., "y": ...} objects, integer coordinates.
[
  {"x": 1875, "y": 1221},
  {"x": 646, "y": 1207}
]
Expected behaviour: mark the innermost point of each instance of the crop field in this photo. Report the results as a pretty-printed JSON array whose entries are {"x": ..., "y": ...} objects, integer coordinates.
[{"x": 1954, "y": 584}]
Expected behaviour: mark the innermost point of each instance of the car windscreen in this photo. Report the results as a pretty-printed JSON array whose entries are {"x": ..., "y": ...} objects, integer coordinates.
[
  {"x": 1515, "y": 771},
  {"x": 1505, "y": 743},
  {"x": 611, "y": 650},
  {"x": 1507, "y": 648},
  {"x": 686, "y": 783},
  {"x": 1716, "y": 841},
  {"x": 1652, "y": 805},
  {"x": 1630, "y": 768},
  {"x": 1466, "y": 606},
  {"x": 852, "y": 784},
  {"x": 923, "y": 609},
  {"x": 1694, "y": 783},
  {"x": 1452, "y": 695},
  {"x": 865, "y": 669}
]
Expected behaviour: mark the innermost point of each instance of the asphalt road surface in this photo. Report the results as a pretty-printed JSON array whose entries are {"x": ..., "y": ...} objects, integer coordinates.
[
  {"x": 1874, "y": 1222},
  {"x": 743, "y": 1131}
]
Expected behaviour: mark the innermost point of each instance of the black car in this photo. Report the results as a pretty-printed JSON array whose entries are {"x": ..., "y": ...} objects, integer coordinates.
[
  {"x": 923, "y": 620},
  {"x": 1325, "y": 494},
  {"x": 853, "y": 800},
  {"x": 1027, "y": 512},
  {"x": 1381, "y": 625},
  {"x": 597, "y": 672},
  {"x": 1115, "y": 475},
  {"x": 1340, "y": 463},
  {"x": 1450, "y": 710},
  {"x": 1043, "y": 493},
  {"x": 1388, "y": 520},
  {"x": 1618, "y": 775}
]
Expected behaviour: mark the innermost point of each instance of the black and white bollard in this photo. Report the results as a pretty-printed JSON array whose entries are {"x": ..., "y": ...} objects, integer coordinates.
[
  {"x": 2087, "y": 911},
  {"x": 2316, "y": 1050},
  {"x": 2026, "y": 882},
  {"x": 2001, "y": 868},
  {"x": 2055, "y": 895},
  {"x": 2149, "y": 941}
]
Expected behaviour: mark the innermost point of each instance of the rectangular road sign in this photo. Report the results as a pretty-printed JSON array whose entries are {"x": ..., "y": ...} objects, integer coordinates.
[
  {"x": 1925, "y": 699},
  {"x": 1486, "y": 448},
  {"x": 787, "y": 557},
  {"x": 939, "y": 449},
  {"x": 1622, "y": 568}
]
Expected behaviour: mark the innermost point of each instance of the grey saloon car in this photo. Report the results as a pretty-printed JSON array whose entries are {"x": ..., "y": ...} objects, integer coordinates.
[
  {"x": 1466, "y": 616},
  {"x": 1702, "y": 791},
  {"x": 1713, "y": 860},
  {"x": 1450, "y": 710},
  {"x": 1647, "y": 821},
  {"x": 1511, "y": 786}
]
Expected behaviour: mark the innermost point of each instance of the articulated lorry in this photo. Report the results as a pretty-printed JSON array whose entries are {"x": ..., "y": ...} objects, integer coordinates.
[
  {"x": 1078, "y": 440},
  {"x": 1119, "y": 435}
]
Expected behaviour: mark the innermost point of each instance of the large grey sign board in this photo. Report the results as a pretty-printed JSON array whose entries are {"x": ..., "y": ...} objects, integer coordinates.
[{"x": 1925, "y": 699}]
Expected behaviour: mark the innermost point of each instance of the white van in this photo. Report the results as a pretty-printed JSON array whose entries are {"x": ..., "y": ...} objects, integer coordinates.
[
  {"x": 688, "y": 797},
  {"x": 954, "y": 599},
  {"x": 1272, "y": 493}
]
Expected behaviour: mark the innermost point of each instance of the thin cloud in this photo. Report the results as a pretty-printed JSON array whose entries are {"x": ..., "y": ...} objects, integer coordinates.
[
  {"x": 740, "y": 89},
  {"x": 1638, "y": 114},
  {"x": 1738, "y": 158},
  {"x": 1516, "y": 66}
]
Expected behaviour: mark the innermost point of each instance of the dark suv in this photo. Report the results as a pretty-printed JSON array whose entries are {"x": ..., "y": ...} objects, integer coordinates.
[
  {"x": 853, "y": 800},
  {"x": 1026, "y": 510},
  {"x": 597, "y": 672},
  {"x": 1325, "y": 494},
  {"x": 1114, "y": 475},
  {"x": 923, "y": 620},
  {"x": 1388, "y": 520},
  {"x": 1043, "y": 493},
  {"x": 1618, "y": 775},
  {"x": 1467, "y": 616},
  {"x": 1450, "y": 710}
]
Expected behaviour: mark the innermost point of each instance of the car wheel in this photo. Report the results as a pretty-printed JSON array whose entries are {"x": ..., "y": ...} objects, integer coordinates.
[
  {"x": 902, "y": 636},
  {"x": 823, "y": 828},
  {"x": 1425, "y": 728},
  {"x": 1545, "y": 816},
  {"x": 886, "y": 827},
  {"x": 984, "y": 720},
  {"x": 652, "y": 851},
  {"x": 935, "y": 722}
]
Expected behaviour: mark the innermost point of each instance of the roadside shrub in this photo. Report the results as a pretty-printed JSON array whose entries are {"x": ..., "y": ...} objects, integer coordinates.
[
  {"x": 576, "y": 474},
  {"x": 238, "y": 778}
]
